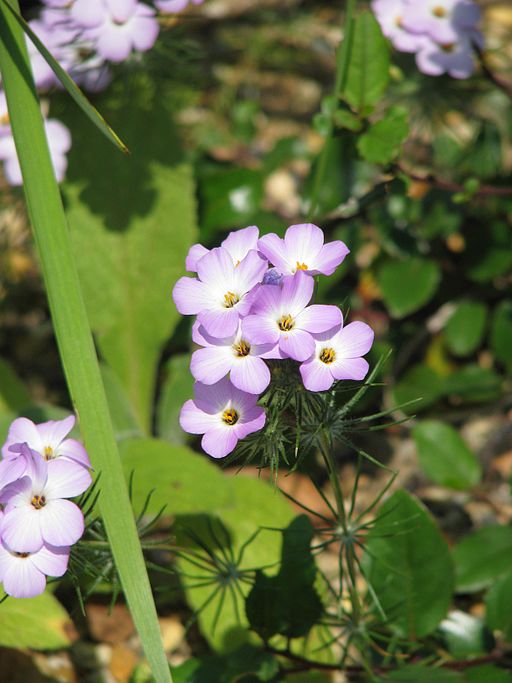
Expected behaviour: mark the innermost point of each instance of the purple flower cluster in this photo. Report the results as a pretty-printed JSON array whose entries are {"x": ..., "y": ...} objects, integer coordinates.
[
  {"x": 40, "y": 469},
  {"x": 441, "y": 33},
  {"x": 252, "y": 298}
]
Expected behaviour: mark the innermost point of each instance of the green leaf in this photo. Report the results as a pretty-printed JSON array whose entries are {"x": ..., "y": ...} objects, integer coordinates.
[
  {"x": 14, "y": 395},
  {"x": 465, "y": 329},
  {"x": 245, "y": 665},
  {"x": 131, "y": 238},
  {"x": 383, "y": 140},
  {"x": 482, "y": 557},
  {"x": 473, "y": 384},
  {"x": 487, "y": 674},
  {"x": 40, "y": 623},
  {"x": 409, "y": 566},
  {"x": 423, "y": 674},
  {"x": 498, "y": 602},
  {"x": 420, "y": 382},
  {"x": 68, "y": 83},
  {"x": 368, "y": 68},
  {"x": 177, "y": 388},
  {"x": 501, "y": 333},
  {"x": 408, "y": 285},
  {"x": 444, "y": 456},
  {"x": 465, "y": 635},
  {"x": 182, "y": 480},
  {"x": 272, "y": 606}
]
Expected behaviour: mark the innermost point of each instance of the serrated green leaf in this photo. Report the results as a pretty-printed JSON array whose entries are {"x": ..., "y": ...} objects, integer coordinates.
[
  {"x": 383, "y": 140},
  {"x": 408, "y": 285},
  {"x": 444, "y": 456},
  {"x": 131, "y": 239},
  {"x": 409, "y": 566},
  {"x": 482, "y": 557},
  {"x": 39, "y": 623},
  {"x": 368, "y": 67}
]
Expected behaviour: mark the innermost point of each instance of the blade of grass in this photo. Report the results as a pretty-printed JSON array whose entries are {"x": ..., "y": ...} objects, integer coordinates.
[
  {"x": 68, "y": 83},
  {"x": 73, "y": 333}
]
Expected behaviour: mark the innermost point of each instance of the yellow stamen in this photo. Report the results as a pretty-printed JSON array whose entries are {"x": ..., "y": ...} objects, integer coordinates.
[
  {"x": 301, "y": 266},
  {"x": 327, "y": 355},
  {"x": 286, "y": 323},
  {"x": 48, "y": 453},
  {"x": 242, "y": 349},
  {"x": 439, "y": 12},
  {"x": 230, "y": 416},
  {"x": 230, "y": 299},
  {"x": 38, "y": 502},
  {"x": 448, "y": 47},
  {"x": 23, "y": 555}
]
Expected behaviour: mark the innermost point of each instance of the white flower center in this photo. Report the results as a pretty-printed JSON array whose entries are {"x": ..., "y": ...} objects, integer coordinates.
[
  {"x": 327, "y": 355},
  {"x": 286, "y": 323},
  {"x": 230, "y": 416},
  {"x": 242, "y": 349}
]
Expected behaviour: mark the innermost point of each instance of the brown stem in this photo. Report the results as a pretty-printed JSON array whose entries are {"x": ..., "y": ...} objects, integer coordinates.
[
  {"x": 482, "y": 191},
  {"x": 503, "y": 85}
]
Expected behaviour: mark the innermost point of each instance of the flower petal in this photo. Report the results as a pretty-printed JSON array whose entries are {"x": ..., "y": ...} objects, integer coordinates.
[
  {"x": 219, "y": 441},
  {"x": 51, "y": 560},
  {"x": 273, "y": 248},
  {"x": 191, "y": 296},
  {"x": 350, "y": 368},
  {"x": 221, "y": 322},
  {"x": 319, "y": 318},
  {"x": 196, "y": 252},
  {"x": 297, "y": 344},
  {"x": 250, "y": 374},
  {"x": 23, "y": 580},
  {"x": 53, "y": 432},
  {"x": 74, "y": 450},
  {"x": 217, "y": 269},
  {"x": 354, "y": 340},
  {"x": 330, "y": 257},
  {"x": 21, "y": 529},
  {"x": 62, "y": 523},
  {"x": 239, "y": 242},
  {"x": 316, "y": 375},
  {"x": 209, "y": 365},
  {"x": 66, "y": 479},
  {"x": 250, "y": 271},
  {"x": 302, "y": 243},
  {"x": 22, "y": 430},
  {"x": 296, "y": 293},
  {"x": 195, "y": 421},
  {"x": 254, "y": 420},
  {"x": 258, "y": 329}
]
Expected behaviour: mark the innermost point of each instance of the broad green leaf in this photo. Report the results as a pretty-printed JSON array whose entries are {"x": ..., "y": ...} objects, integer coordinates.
[
  {"x": 409, "y": 566},
  {"x": 465, "y": 329},
  {"x": 131, "y": 238},
  {"x": 39, "y": 623},
  {"x": 69, "y": 84},
  {"x": 368, "y": 67},
  {"x": 383, "y": 140},
  {"x": 248, "y": 664},
  {"x": 487, "y": 674},
  {"x": 498, "y": 602},
  {"x": 272, "y": 606},
  {"x": 482, "y": 557},
  {"x": 488, "y": 253},
  {"x": 176, "y": 389},
  {"x": 501, "y": 333},
  {"x": 423, "y": 674},
  {"x": 444, "y": 456},
  {"x": 123, "y": 419},
  {"x": 420, "y": 382},
  {"x": 14, "y": 395},
  {"x": 465, "y": 635},
  {"x": 473, "y": 384},
  {"x": 182, "y": 480},
  {"x": 408, "y": 285},
  {"x": 256, "y": 505}
]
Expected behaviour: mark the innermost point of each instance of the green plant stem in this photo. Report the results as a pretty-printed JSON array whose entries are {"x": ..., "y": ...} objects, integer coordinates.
[
  {"x": 342, "y": 62},
  {"x": 73, "y": 333}
]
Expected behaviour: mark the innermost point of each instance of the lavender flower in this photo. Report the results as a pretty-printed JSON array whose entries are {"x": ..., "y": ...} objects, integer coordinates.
[
  {"x": 238, "y": 244},
  {"x": 117, "y": 27},
  {"x": 220, "y": 295},
  {"x": 338, "y": 356},
  {"x": 232, "y": 355},
  {"x": 47, "y": 438},
  {"x": 441, "y": 20},
  {"x": 389, "y": 14},
  {"x": 303, "y": 248},
  {"x": 175, "y": 6},
  {"x": 281, "y": 316},
  {"x": 24, "y": 574},
  {"x": 223, "y": 414},
  {"x": 59, "y": 142},
  {"x": 36, "y": 509},
  {"x": 455, "y": 59}
]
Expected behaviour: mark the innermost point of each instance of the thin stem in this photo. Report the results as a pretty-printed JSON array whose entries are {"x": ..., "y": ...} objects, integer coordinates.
[
  {"x": 73, "y": 333},
  {"x": 342, "y": 62}
]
